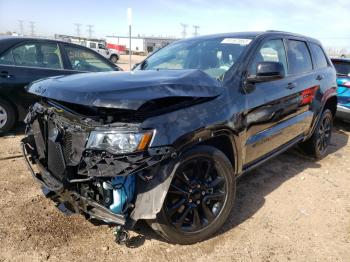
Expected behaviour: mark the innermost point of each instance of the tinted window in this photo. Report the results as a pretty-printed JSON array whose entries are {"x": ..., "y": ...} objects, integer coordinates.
[
  {"x": 342, "y": 68},
  {"x": 298, "y": 57},
  {"x": 45, "y": 55},
  {"x": 270, "y": 51},
  {"x": 7, "y": 59},
  {"x": 85, "y": 60},
  {"x": 212, "y": 56},
  {"x": 320, "y": 60}
]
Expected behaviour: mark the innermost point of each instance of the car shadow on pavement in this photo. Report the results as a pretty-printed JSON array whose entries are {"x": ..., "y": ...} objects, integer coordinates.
[{"x": 253, "y": 187}]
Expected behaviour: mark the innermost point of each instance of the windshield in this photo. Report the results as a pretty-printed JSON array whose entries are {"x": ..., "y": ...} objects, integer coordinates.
[
  {"x": 342, "y": 68},
  {"x": 213, "y": 56}
]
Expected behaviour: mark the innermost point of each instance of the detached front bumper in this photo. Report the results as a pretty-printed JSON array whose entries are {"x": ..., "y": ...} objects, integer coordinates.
[
  {"x": 343, "y": 113},
  {"x": 67, "y": 200}
]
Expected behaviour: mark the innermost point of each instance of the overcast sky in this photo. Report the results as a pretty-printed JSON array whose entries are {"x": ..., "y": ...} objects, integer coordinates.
[{"x": 325, "y": 20}]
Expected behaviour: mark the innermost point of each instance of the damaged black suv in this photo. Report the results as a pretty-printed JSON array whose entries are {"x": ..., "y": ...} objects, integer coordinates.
[{"x": 166, "y": 142}]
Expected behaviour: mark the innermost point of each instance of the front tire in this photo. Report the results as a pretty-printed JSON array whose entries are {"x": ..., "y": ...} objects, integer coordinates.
[
  {"x": 317, "y": 145},
  {"x": 8, "y": 117},
  {"x": 200, "y": 197}
]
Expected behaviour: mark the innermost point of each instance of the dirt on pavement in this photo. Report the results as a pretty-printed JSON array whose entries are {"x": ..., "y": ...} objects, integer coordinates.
[{"x": 290, "y": 209}]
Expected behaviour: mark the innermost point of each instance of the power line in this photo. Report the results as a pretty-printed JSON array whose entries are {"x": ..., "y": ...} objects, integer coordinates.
[
  {"x": 196, "y": 29},
  {"x": 77, "y": 28},
  {"x": 184, "y": 30},
  {"x": 21, "y": 29},
  {"x": 32, "y": 28},
  {"x": 90, "y": 30}
]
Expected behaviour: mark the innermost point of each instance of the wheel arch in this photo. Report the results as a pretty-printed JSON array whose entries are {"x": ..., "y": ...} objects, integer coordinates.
[{"x": 331, "y": 104}]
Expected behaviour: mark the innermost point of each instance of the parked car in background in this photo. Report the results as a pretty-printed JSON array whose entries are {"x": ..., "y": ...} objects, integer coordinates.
[
  {"x": 24, "y": 60},
  {"x": 342, "y": 66},
  {"x": 167, "y": 142},
  {"x": 99, "y": 47}
]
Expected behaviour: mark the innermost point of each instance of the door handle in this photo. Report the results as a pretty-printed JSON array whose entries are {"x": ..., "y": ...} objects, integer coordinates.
[
  {"x": 5, "y": 74},
  {"x": 291, "y": 85},
  {"x": 319, "y": 77}
]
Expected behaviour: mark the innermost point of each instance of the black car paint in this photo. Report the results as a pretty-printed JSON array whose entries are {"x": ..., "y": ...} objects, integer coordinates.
[
  {"x": 257, "y": 120},
  {"x": 126, "y": 90},
  {"x": 14, "y": 78}
]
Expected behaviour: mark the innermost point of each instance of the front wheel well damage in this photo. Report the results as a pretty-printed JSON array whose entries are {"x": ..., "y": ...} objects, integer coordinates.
[{"x": 224, "y": 144}]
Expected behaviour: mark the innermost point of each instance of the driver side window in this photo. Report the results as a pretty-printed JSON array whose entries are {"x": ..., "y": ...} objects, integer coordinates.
[
  {"x": 270, "y": 51},
  {"x": 85, "y": 60}
]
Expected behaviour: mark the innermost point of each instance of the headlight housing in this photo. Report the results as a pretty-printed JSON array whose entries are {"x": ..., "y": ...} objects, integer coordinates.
[{"x": 119, "y": 142}]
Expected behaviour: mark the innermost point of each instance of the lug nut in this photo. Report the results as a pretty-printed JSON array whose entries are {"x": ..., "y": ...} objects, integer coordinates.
[
  {"x": 198, "y": 186},
  {"x": 198, "y": 202},
  {"x": 203, "y": 193},
  {"x": 190, "y": 190}
]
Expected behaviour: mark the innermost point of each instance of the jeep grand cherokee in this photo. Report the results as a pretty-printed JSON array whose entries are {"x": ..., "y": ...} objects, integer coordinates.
[{"x": 166, "y": 142}]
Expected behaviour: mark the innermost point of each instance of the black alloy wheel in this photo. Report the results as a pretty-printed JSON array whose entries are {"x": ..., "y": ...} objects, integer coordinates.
[
  {"x": 200, "y": 197},
  {"x": 317, "y": 145},
  {"x": 324, "y": 134},
  {"x": 196, "y": 195}
]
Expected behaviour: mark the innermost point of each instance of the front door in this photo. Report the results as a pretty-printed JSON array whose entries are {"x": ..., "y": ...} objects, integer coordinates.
[{"x": 271, "y": 106}]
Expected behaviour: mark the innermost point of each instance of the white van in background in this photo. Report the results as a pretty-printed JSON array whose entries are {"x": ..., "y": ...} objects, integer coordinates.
[{"x": 103, "y": 50}]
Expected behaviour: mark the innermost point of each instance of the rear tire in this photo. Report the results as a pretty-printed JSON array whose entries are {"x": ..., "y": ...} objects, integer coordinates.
[
  {"x": 317, "y": 145},
  {"x": 8, "y": 116},
  {"x": 200, "y": 198}
]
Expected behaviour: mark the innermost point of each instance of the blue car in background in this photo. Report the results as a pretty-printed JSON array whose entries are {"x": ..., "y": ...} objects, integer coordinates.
[{"x": 342, "y": 65}]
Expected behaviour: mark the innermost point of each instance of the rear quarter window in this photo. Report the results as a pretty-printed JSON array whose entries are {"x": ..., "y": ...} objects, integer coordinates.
[
  {"x": 299, "y": 58},
  {"x": 320, "y": 60}
]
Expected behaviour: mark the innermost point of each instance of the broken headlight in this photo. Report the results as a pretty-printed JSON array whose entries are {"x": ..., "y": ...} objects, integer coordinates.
[{"x": 119, "y": 142}]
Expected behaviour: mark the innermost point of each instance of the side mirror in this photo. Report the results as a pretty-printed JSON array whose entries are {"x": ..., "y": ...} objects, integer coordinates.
[{"x": 267, "y": 71}]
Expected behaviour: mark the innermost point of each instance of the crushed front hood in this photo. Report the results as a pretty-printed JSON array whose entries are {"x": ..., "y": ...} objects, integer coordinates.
[{"x": 126, "y": 90}]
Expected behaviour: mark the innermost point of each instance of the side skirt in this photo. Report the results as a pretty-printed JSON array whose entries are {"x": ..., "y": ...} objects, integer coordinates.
[{"x": 250, "y": 166}]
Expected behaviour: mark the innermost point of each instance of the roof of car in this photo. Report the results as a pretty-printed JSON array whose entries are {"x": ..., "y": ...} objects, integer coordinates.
[
  {"x": 338, "y": 59},
  {"x": 254, "y": 35},
  {"x": 8, "y": 41}
]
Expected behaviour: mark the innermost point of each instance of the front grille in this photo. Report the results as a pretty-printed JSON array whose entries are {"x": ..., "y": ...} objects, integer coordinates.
[
  {"x": 67, "y": 145},
  {"x": 55, "y": 158},
  {"x": 55, "y": 161}
]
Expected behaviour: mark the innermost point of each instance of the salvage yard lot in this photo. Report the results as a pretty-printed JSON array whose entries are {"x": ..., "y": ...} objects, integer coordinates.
[{"x": 291, "y": 208}]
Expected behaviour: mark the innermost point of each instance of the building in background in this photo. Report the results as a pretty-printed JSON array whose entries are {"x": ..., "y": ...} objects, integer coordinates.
[{"x": 140, "y": 45}]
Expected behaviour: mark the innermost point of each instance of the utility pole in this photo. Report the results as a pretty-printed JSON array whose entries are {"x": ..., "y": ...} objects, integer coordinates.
[
  {"x": 77, "y": 29},
  {"x": 196, "y": 29},
  {"x": 129, "y": 18},
  {"x": 184, "y": 30},
  {"x": 21, "y": 29},
  {"x": 32, "y": 28},
  {"x": 90, "y": 30}
]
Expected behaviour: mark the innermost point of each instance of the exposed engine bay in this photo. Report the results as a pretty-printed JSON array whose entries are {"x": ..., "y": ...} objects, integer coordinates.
[{"x": 81, "y": 172}]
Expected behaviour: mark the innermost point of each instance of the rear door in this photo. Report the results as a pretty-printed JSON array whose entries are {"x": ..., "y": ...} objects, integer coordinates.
[
  {"x": 305, "y": 82},
  {"x": 25, "y": 63}
]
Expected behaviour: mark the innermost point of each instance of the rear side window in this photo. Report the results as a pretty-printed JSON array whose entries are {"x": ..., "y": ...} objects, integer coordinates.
[
  {"x": 44, "y": 55},
  {"x": 298, "y": 57},
  {"x": 320, "y": 60}
]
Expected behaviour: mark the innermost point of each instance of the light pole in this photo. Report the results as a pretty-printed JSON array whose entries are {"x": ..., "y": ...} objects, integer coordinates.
[{"x": 129, "y": 14}]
